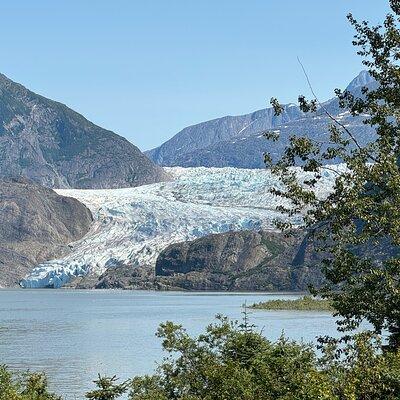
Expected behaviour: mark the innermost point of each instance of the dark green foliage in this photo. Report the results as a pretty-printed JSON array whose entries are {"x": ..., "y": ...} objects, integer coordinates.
[
  {"x": 359, "y": 370},
  {"x": 234, "y": 362},
  {"x": 306, "y": 303},
  {"x": 358, "y": 224},
  {"x": 230, "y": 362},
  {"x": 107, "y": 389},
  {"x": 274, "y": 247}
]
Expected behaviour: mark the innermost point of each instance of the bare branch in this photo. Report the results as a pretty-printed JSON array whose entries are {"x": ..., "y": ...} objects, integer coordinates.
[{"x": 330, "y": 116}]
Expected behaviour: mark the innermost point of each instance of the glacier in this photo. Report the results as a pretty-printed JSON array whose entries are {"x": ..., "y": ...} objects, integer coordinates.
[{"x": 133, "y": 225}]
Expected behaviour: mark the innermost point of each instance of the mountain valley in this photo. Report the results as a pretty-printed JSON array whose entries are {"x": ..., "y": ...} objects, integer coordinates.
[
  {"x": 133, "y": 226},
  {"x": 144, "y": 216}
]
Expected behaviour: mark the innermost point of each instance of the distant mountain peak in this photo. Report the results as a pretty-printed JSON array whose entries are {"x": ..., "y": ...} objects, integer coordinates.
[
  {"x": 237, "y": 141},
  {"x": 364, "y": 78}
]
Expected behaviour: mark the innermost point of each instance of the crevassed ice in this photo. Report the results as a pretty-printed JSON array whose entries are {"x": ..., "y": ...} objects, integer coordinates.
[{"x": 133, "y": 225}]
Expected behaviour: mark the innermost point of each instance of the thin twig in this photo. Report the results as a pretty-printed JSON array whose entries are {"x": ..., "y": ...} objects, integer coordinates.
[
  {"x": 328, "y": 113},
  {"x": 330, "y": 169}
]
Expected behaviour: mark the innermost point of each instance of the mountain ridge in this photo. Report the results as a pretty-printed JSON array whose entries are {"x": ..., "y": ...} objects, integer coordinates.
[
  {"x": 51, "y": 144},
  {"x": 236, "y": 141}
]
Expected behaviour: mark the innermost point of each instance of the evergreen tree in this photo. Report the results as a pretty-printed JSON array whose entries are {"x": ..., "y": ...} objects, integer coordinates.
[{"x": 107, "y": 388}]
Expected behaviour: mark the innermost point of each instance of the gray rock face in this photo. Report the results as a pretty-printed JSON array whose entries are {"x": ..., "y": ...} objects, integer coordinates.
[
  {"x": 232, "y": 261},
  {"x": 244, "y": 260},
  {"x": 237, "y": 141},
  {"x": 53, "y": 145},
  {"x": 36, "y": 224},
  {"x": 202, "y": 137}
]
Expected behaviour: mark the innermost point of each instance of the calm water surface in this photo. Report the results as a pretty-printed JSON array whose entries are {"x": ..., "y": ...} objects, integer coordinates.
[{"x": 73, "y": 335}]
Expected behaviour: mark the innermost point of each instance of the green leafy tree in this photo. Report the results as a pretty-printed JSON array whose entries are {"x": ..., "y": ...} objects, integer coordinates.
[
  {"x": 32, "y": 386},
  {"x": 359, "y": 369},
  {"x": 35, "y": 387},
  {"x": 232, "y": 361},
  {"x": 8, "y": 388},
  {"x": 357, "y": 225}
]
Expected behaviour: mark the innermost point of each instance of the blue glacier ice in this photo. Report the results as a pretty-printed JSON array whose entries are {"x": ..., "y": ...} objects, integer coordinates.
[{"x": 133, "y": 225}]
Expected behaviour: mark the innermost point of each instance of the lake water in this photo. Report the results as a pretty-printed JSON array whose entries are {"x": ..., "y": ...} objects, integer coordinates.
[{"x": 74, "y": 335}]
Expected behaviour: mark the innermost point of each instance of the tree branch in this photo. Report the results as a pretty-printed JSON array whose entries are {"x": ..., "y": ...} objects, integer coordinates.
[{"x": 330, "y": 116}]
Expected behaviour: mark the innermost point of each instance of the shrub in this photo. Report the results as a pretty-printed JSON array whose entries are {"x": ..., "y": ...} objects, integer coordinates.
[
  {"x": 232, "y": 361},
  {"x": 31, "y": 386}
]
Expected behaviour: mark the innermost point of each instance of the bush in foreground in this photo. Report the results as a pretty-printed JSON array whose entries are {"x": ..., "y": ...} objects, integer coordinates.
[
  {"x": 31, "y": 386},
  {"x": 233, "y": 361}
]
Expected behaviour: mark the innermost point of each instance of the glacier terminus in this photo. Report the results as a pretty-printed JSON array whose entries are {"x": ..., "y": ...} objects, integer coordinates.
[{"x": 133, "y": 225}]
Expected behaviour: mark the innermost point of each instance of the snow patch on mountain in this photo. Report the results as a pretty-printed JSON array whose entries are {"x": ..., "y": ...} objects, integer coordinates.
[{"x": 133, "y": 225}]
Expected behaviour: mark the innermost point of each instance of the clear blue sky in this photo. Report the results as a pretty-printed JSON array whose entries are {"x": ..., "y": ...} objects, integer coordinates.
[{"x": 146, "y": 69}]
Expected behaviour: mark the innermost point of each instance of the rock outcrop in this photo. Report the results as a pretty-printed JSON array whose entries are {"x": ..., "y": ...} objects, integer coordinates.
[
  {"x": 36, "y": 224},
  {"x": 245, "y": 260},
  {"x": 232, "y": 261}
]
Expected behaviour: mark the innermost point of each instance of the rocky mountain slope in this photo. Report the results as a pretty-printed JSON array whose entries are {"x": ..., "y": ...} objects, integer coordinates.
[
  {"x": 232, "y": 261},
  {"x": 133, "y": 226},
  {"x": 53, "y": 145},
  {"x": 237, "y": 141},
  {"x": 245, "y": 260},
  {"x": 35, "y": 224}
]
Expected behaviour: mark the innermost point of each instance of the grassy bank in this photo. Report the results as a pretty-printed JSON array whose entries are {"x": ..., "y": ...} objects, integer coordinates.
[{"x": 306, "y": 303}]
